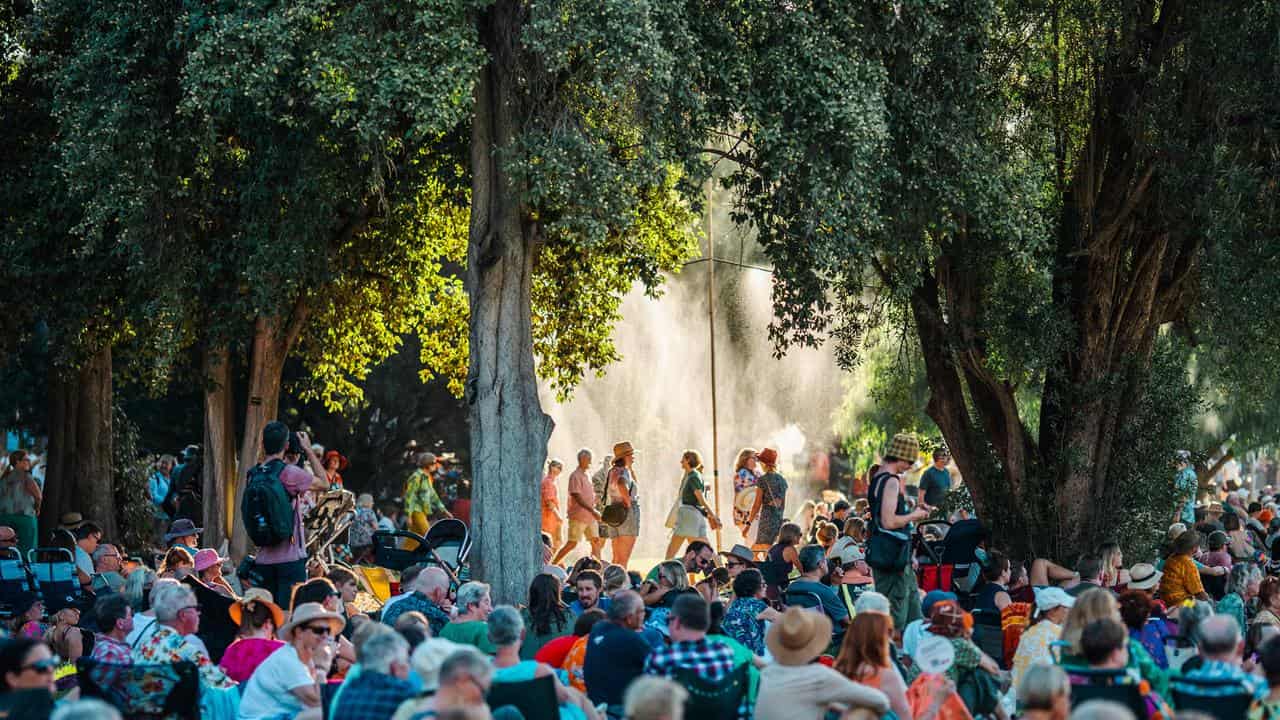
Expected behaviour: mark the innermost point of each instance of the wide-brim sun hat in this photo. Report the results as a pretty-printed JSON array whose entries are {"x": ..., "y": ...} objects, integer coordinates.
[
  {"x": 308, "y": 613},
  {"x": 251, "y": 597},
  {"x": 623, "y": 449},
  {"x": 741, "y": 552},
  {"x": 768, "y": 456},
  {"x": 903, "y": 446},
  {"x": 1144, "y": 576},
  {"x": 70, "y": 521},
  {"x": 798, "y": 636},
  {"x": 182, "y": 527},
  {"x": 342, "y": 460}
]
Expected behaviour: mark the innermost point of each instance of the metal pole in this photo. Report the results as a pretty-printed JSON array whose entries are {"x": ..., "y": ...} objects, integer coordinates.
[{"x": 711, "y": 311}]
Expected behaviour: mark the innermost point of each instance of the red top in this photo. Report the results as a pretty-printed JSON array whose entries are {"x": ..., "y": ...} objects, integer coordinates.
[{"x": 554, "y": 652}]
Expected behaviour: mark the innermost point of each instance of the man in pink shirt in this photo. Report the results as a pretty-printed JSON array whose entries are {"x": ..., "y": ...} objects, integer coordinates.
[
  {"x": 584, "y": 519},
  {"x": 285, "y": 564}
]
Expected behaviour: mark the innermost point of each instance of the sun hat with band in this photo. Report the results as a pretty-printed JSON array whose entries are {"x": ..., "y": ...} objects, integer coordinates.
[
  {"x": 740, "y": 552},
  {"x": 308, "y": 613},
  {"x": 1144, "y": 576},
  {"x": 623, "y": 449},
  {"x": 252, "y": 597},
  {"x": 903, "y": 446},
  {"x": 798, "y": 636}
]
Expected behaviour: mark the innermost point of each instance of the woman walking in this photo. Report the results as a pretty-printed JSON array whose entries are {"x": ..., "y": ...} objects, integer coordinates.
[
  {"x": 20, "y": 500},
  {"x": 624, "y": 499},
  {"x": 552, "y": 520},
  {"x": 745, "y": 477},
  {"x": 771, "y": 498},
  {"x": 694, "y": 512}
]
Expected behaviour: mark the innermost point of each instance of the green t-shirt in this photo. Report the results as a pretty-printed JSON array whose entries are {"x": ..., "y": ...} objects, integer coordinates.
[
  {"x": 472, "y": 632},
  {"x": 692, "y": 483}
]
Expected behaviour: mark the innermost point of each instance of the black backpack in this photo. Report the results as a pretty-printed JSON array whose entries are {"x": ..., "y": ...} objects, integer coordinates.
[{"x": 266, "y": 506}]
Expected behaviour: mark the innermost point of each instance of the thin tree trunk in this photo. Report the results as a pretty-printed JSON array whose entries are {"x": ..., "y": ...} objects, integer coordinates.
[
  {"x": 509, "y": 431},
  {"x": 219, "y": 446},
  {"x": 273, "y": 337}
]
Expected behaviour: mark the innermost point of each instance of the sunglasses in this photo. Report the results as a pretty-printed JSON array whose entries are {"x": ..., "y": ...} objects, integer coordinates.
[
  {"x": 735, "y": 563},
  {"x": 705, "y": 562},
  {"x": 321, "y": 630},
  {"x": 44, "y": 667}
]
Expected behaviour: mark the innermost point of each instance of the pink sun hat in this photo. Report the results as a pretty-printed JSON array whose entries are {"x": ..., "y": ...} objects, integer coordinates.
[{"x": 207, "y": 558}]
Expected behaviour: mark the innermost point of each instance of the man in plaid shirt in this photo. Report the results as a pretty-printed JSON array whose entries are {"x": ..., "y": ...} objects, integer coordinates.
[
  {"x": 382, "y": 683},
  {"x": 115, "y": 618},
  {"x": 689, "y": 650}
]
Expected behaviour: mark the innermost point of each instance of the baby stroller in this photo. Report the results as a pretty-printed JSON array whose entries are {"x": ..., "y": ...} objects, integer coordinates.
[
  {"x": 450, "y": 544},
  {"x": 948, "y": 558}
]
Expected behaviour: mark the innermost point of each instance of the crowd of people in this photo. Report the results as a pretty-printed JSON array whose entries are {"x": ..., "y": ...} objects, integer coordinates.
[{"x": 829, "y": 609}]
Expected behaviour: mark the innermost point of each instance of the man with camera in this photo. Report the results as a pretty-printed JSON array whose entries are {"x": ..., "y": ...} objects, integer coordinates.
[{"x": 284, "y": 564}]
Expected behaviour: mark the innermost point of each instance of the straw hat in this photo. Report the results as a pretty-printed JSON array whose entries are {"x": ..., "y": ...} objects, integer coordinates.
[
  {"x": 623, "y": 449},
  {"x": 252, "y": 596},
  {"x": 1144, "y": 576},
  {"x": 70, "y": 521},
  {"x": 308, "y": 613},
  {"x": 799, "y": 636}
]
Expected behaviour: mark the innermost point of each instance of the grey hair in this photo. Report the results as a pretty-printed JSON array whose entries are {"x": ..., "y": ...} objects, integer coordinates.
[
  {"x": 468, "y": 662},
  {"x": 101, "y": 551},
  {"x": 1217, "y": 635},
  {"x": 1041, "y": 683},
  {"x": 654, "y": 698},
  {"x": 584, "y": 452},
  {"x": 169, "y": 599},
  {"x": 624, "y": 604},
  {"x": 382, "y": 647},
  {"x": 472, "y": 593},
  {"x": 506, "y": 627},
  {"x": 1189, "y": 620},
  {"x": 1239, "y": 577},
  {"x": 135, "y": 586},
  {"x": 85, "y": 709},
  {"x": 1101, "y": 710},
  {"x": 431, "y": 578}
]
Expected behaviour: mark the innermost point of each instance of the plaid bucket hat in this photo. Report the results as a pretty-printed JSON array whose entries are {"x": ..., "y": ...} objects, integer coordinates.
[{"x": 903, "y": 446}]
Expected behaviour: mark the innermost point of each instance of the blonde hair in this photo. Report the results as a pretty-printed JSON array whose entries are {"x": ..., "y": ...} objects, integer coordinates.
[
  {"x": 693, "y": 458},
  {"x": 615, "y": 578},
  {"x": 744, "y": 455},
  {"x": 826, "y": 533},
  {"x": 673, "y": 572},
  {"x": 1091, "y": 605},
  {"x": 1108, "y": 553},
  {"x": 654, "y": 698}
]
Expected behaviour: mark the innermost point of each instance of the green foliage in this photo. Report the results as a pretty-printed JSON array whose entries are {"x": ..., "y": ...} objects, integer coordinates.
[
  {"x": 885, "y": 394},
  {"x": 130, "y": 472}
]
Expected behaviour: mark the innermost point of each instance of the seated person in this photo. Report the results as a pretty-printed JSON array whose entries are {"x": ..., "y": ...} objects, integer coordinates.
[
  {"x": 1221, "y": 648},
  {"x": 1105, "y": 644},
  {"x": 813, "y": 566}
]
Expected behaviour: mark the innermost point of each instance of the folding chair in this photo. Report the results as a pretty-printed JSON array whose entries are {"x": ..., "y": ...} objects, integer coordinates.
[
  {"x": 15, "y": 580},
  {"x": 1112, "y": 685},
  {"x": 1223, "y": 699},
  {"x": 55, "y": 573},
  {"x": 535, "y": 699},
  {"x": 143, "y": 691},
  {"x": 713, "y": 700}
]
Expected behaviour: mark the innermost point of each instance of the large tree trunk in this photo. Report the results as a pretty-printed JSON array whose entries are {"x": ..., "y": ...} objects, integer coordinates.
[
  {"x": 509, "y": 431},
  {"x": 219, "y": 446},
  {"x": 80, "y": 476},
  {"x": 273, "y": 338}
]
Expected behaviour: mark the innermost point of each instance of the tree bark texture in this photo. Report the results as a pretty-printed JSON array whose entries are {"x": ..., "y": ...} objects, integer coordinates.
[
  {"x": 1119, "y": 275},
  {"x": 219, "y": 446},
  {"x": 80, "y": 475},
  {"x": 273, "y": 338},
  {"x": 509, "y": 431}
]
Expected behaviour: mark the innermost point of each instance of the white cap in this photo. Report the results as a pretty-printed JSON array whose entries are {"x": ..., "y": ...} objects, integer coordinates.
[
  {"x": 1052, "y": 597},
  {"x": 871, "y": 601}
]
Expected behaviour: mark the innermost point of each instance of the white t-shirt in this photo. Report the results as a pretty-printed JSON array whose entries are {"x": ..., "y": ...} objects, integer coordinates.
[{"x": 268, "y": 692}]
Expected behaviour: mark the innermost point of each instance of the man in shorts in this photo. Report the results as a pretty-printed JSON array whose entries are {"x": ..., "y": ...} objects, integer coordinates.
[{"x": 584, "y": 519}]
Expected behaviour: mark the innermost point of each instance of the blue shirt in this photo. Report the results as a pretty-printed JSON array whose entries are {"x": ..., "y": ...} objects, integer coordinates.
[
  {"x": 1186, "y": 484},
  {"x": 371, "y": 696},
  {"x": 831, "y": 604},
  {"x": 436, "y": 617},
  {"x": 615, "y": 656}
]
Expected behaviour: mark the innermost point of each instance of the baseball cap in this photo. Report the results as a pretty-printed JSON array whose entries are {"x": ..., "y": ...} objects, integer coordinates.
[{"x": 1052, "y": 597}]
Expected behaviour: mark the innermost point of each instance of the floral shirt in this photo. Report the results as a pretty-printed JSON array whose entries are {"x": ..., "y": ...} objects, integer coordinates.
[
  {"x": 420, "y": 495},
  {"x": 109, "y": 650},
  {"x": 740, "y": 623},
  {"x": 1034, "y": 648},
  {"x": 1219, "y": 670},
  {"x": 166, "y": 646},
  {"x": 573, "y": 663},
  {"x": 1232, "y": 604},
  {"x": 743, "y": 480}
]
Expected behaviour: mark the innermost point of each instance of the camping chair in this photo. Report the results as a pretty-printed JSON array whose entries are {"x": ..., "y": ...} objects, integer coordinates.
[
  {"x": 988, "y": 635},
  {"x": 26, "y": 704},
  {"x": 1112, "y": 685},
  {"x": 15, "y": 579},
  {"x": 375, "y": 580},
  {"x": 217, "y": 630},
  {"x": 1219, "y": 698},
  {"x": 55, "y": 573},
  {"x": 535, "y": 699},
  {"x": 713, "y": 700},
  {"x": 143, "y": 691}
]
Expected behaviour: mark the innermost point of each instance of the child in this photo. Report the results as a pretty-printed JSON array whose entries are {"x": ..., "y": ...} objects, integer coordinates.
[
  {"x": 1218, "y": 555},
  {"x": 363, "y": 526}
]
